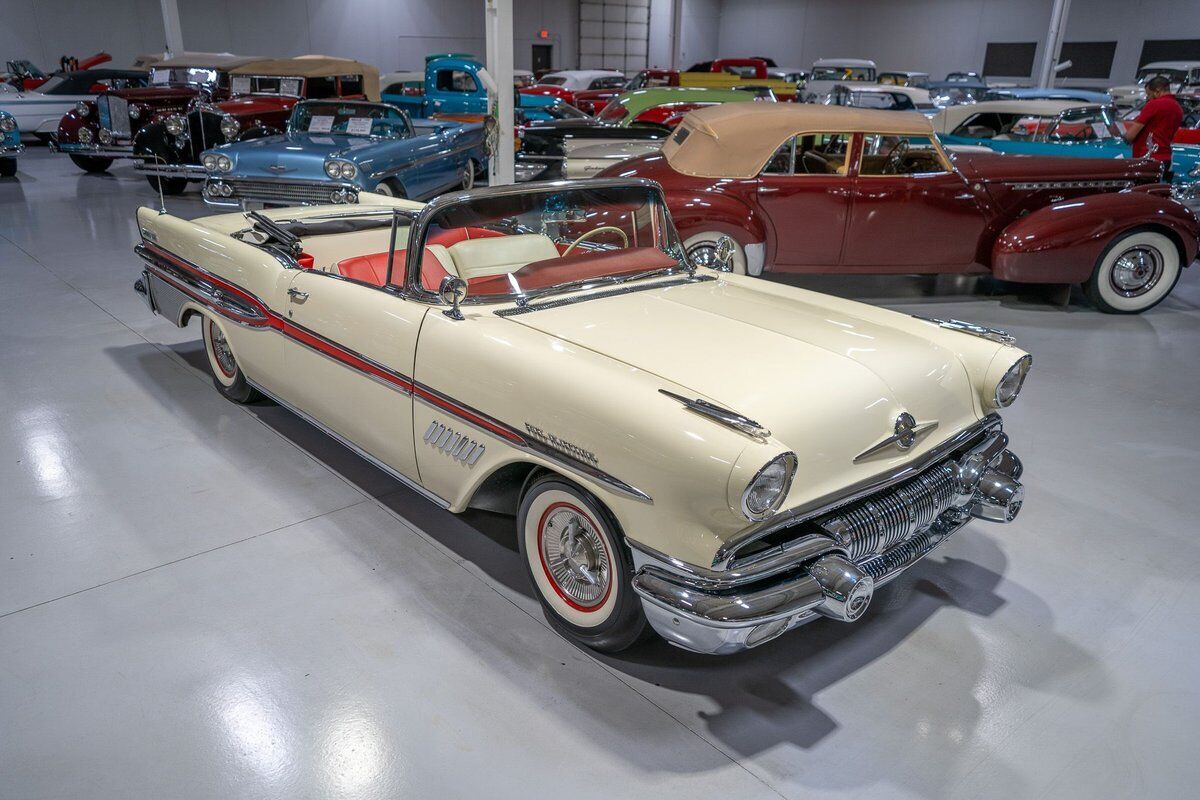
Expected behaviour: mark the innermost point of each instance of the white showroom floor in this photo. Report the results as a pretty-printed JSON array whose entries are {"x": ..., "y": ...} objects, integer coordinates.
[{"x": 202, "y": 600}]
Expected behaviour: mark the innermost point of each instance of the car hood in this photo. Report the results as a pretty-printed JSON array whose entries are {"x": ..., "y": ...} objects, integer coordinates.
[
  {"x": 826, "y": 376},
  {"x": 298, "y": 154},
  {"x": 247, "y": 105},
  {"x": 1004, "y": 167}
]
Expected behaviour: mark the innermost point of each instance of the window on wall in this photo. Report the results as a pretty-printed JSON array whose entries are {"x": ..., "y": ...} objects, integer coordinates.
[
  {"x": 1169, "y": 50},
  {"x": 1088, "y": 59},
  {"x": 1009, "y": 59},
  {"x": 614, "y": 34}
]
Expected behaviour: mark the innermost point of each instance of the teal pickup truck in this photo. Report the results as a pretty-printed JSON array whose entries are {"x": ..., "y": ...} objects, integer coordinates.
[{"x": 453, "y": 85}]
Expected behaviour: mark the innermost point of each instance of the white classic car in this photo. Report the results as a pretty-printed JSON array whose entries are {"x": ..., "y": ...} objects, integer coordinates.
[
  {"x": 828, "y": 72},
  {"x": 1183, "y": 75},
  {"x": 713, "y": 457}
]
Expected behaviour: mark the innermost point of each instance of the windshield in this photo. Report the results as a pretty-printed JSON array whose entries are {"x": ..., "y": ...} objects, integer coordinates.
[
  {"x": 542, "y": 242},
  {"x": 558, "y": 110},
  {"x": 842, "y": 74},
  {"x": 552, "y": 80},
  {"x": 612, "y": 82},
  {"x": 613, "y": 113},
  {"x": 197, "y": 76},
  {"x": 349, "y": 119},
  {"x": 262, "y": 84},
  {"x": 1173, "y": 75},
  {"x": 1086, "y": 125}
]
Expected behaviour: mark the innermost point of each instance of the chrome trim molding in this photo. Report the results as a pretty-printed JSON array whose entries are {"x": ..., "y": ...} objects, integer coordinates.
[
  {"x": 453, "y": 444},
  {"x": 722, "y": 416},
  {"x": 529, "y": 308},
  {"x": 905, "y": 434},
  {"x": 1039, "y": 185},
  {"x": 982, "y": 331}
]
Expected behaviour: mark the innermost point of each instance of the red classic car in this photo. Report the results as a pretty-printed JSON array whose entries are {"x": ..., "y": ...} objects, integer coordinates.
[
  {"x": 724, "y": 73},
  {"x": 262, "y": 95},
  {"x": 96, "y": 133},
  {"x": 807, "y": 188}
]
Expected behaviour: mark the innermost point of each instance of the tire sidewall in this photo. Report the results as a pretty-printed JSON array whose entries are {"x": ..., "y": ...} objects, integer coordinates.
[
  {"x": 739, "y": 252},
  {"x": 1099, "y": 286},
  {"x": 468, "y": 172},
  {"x": 618, "y": 620},
  {"x": 232, "y": 386}
]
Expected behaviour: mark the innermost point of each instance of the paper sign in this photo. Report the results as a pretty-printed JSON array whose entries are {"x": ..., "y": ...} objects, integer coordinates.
[
  {"x": 320, "y": 124},
  {"x": 240, "y": 86},
  {"x": 359, "y": 126},
  {"x": 290, "y": 86}
]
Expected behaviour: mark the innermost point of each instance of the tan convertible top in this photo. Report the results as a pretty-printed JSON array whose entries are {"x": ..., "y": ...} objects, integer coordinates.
[
  {"x": 735, "y": 140},
  {"x": 223, "y": 61},
  {"x": 315, "y": 66}
]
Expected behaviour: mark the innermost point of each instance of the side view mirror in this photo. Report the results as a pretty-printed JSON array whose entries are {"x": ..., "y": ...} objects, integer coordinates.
[
  {"x": 453, "y": 291},
  {"x": 723, "y": 255}
]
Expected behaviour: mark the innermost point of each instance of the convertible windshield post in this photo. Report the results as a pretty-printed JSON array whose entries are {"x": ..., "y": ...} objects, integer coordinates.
[{"x": 392, "y": 246}]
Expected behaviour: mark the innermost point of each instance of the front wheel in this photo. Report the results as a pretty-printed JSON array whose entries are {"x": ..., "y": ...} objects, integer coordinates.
[
  {"x": 578, "y": 566},
  {"x": 227, "y": 375},
  {"x": 1134, "y": 273},
  {"x": 8, "y": 167},
  {"x": 391, "y": 188},
  {"x": 170, "y": 186},
  {"x": 92, "y": 164},
  {"x": 467, "y": 174},
  {"x": 701, "y": 250}
]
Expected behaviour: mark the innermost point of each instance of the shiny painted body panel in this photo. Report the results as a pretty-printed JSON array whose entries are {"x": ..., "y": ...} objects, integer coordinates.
[
  {"x": 846, "y": 369},
  {"x": 152, "y": 102},
  {"x": 37, "y": 112},
  {"x": 941, "y": 222},
  {"x": 433, "y": 100}
]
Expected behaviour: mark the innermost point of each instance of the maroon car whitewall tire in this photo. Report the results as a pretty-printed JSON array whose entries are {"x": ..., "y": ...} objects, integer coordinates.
[
  {"x": 1134, "y": 273},
  {"x": 703, "y": 247}
]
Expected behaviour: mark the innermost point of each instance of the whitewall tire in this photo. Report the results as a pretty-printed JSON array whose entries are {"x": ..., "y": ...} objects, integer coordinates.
[
  {"x": 702, "y": 248},
  {"x": 467, "y": 175},
  {"x": 227, "y": 374},
  {"x": 1134, "y": 273},
  {"x": 578, "y": 565}
]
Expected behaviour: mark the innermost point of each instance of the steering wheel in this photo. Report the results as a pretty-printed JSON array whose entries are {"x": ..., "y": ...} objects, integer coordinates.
[
  {"x": 593, "y": 232},
  {"x": 895, "y": 158}
]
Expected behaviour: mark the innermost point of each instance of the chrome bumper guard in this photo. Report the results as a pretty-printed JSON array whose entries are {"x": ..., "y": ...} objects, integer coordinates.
[
  {"x": 14, "y": 150},
  {"x": 193, "y": 172},
  {"x": 227, "y": 192},
  {"x": 832, "y": 575},
  {"x": 93, "y": 150}
]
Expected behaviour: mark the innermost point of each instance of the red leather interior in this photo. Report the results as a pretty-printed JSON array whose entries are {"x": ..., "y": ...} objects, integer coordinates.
[
  {"x": 576, "y": 266},
  {"x": 373, "y": 268},
  {"x": 305, "y": 261}
]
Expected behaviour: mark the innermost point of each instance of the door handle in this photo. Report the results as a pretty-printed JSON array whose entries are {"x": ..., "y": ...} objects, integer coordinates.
[
  {"x": 297, "y": 294},
  {"x": 766, "y": 189}
]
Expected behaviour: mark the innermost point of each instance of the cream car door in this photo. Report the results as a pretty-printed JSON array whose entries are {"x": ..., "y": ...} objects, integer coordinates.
[{"x": 348, "y": 359}]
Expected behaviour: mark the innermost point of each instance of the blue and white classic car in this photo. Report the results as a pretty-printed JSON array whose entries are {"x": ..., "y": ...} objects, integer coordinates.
[
  {"x": 10, "y": 145},
  {"x": 1056, "y": 128},
  {"x": 335, "y": 149}
]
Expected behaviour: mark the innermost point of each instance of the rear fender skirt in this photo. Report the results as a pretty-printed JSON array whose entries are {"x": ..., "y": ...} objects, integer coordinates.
[
  {"x": 235, "y": 304},
  {"x": 1060, "y": 243}
]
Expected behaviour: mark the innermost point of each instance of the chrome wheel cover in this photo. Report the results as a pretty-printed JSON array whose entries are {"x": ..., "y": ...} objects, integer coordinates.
[
  {"x": 221, "y": 351},
  {"x": 575, "y": 556},
  {"x": 703, "y": 254},
  {"x": 468, "y": 175},
  {"x": 1136, "y": 271}
]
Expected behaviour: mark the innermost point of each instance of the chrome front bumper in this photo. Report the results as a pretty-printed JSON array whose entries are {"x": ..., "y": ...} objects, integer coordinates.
[
  {"x": 829, "y": 574},
  {"x": 115, "y": 150},
  {"x": 229, "y": 191},
  {"x": 193, "y": 172},
  {"x": 11, "y": 150}
]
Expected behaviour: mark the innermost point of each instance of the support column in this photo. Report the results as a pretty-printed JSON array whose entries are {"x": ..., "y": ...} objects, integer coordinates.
[
  {"x": 172, "y": 27},
  {"x": 676, "y": 33},
  {"x": 1054, "y": 40},
  {"x": 499, "y": 38}
]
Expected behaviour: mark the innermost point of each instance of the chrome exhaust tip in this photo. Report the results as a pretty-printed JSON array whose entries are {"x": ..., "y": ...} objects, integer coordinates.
[
  {"x": 998, "y": 497},
  {"x": 847, "y": 590}
]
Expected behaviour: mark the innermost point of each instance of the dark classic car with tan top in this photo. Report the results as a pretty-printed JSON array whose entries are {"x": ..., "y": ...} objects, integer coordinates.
[{"x": 803, "y": 188}]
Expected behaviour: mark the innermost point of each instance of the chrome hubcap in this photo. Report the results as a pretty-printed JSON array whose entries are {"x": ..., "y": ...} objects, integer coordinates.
[
  {"x": 222, "y": 352},
  {"x": 468, "y": 175},
  {"x": 1137, "y": 271},
  {"x": 576, "y": 557},
  {"x": 703, "y": 254}
]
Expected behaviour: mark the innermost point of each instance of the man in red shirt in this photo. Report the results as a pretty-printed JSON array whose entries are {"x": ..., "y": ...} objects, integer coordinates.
[{"x": 1151, "y": 133}]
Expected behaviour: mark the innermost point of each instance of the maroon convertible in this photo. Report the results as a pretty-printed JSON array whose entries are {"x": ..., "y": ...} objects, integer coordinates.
[{"x": 804, "y": 188}]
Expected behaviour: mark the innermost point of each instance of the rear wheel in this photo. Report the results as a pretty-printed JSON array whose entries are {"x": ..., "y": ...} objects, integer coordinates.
[
  {"x": 227, "y": 375},
  {"x": 1134, "y": 273},
  {"x": 578, "y": 565},
  {"x": 92, "y": 164},
  {"x": 8, "y": 167},
  {"x": 468, "y": 173},
  {"x": 701, "y": 249}
]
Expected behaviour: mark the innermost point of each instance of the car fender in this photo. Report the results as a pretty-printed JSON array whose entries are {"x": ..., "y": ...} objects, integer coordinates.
[
  {"x": 72, "y": 121},
  {"x": 716, "y": 212},
  {"x": 1061, "y": 243}
]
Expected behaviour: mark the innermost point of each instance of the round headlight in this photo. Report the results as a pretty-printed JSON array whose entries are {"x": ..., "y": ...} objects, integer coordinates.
[
  {"x": 210, "y": 162},
  {"x": 135, "y": 112},
  {"x": 84, "y": 135},
  {"x": 175, "y": 124},
  {"x": 82, "y": 109},
  {"x": 348, "y": 170},
  {"x": 106, "y": 136},
  {"x": 1010, "y": 385},
  {"x": 224, "y": 164},
  {"x": 8, "y": 124},
  {"x": 230, "y": 127},
  {"x": 333, "y": 169},
  {"x": 770, "y": 486}
]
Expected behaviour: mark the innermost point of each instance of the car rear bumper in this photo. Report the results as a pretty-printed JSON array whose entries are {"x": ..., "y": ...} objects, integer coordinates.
[{"x": 830, "y": 575}]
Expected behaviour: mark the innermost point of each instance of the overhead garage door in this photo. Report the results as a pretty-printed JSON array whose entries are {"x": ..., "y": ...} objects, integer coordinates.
[{"x": 614, "y": 34}]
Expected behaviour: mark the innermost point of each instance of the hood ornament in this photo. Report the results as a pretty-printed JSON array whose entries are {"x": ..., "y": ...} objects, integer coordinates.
[
  {"x": 279, "y": 169},
  {"x": 904, "y": 435}
]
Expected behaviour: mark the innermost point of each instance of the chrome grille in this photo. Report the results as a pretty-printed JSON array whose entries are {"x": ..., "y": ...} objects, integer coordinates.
[
  {"x": 118, "y": 114},
  {"x": 294, "y": 193},
  {"x": 877, "y": 523}
]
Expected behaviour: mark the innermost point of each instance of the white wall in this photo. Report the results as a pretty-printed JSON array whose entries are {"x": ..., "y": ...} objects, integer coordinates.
[
  {"x": 938, "y": 36},
  {"x": 392, "y": 34}
]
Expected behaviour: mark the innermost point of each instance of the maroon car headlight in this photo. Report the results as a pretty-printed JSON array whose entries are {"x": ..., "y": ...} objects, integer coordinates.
[
  {"x": 83, "y": 109},
  {"x": 175, "y": 124},
  {"x": 84, "y": 135},
  {"x": 230, "y": 127},
  {"x": 135, "y": 112}
]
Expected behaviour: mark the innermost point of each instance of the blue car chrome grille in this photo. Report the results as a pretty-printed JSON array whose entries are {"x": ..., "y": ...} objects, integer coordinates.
[{"x": 286, "y": 192}]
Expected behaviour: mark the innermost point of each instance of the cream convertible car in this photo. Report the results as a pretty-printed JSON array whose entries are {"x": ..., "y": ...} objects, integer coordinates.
[{"x": 717, "y": 457}]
